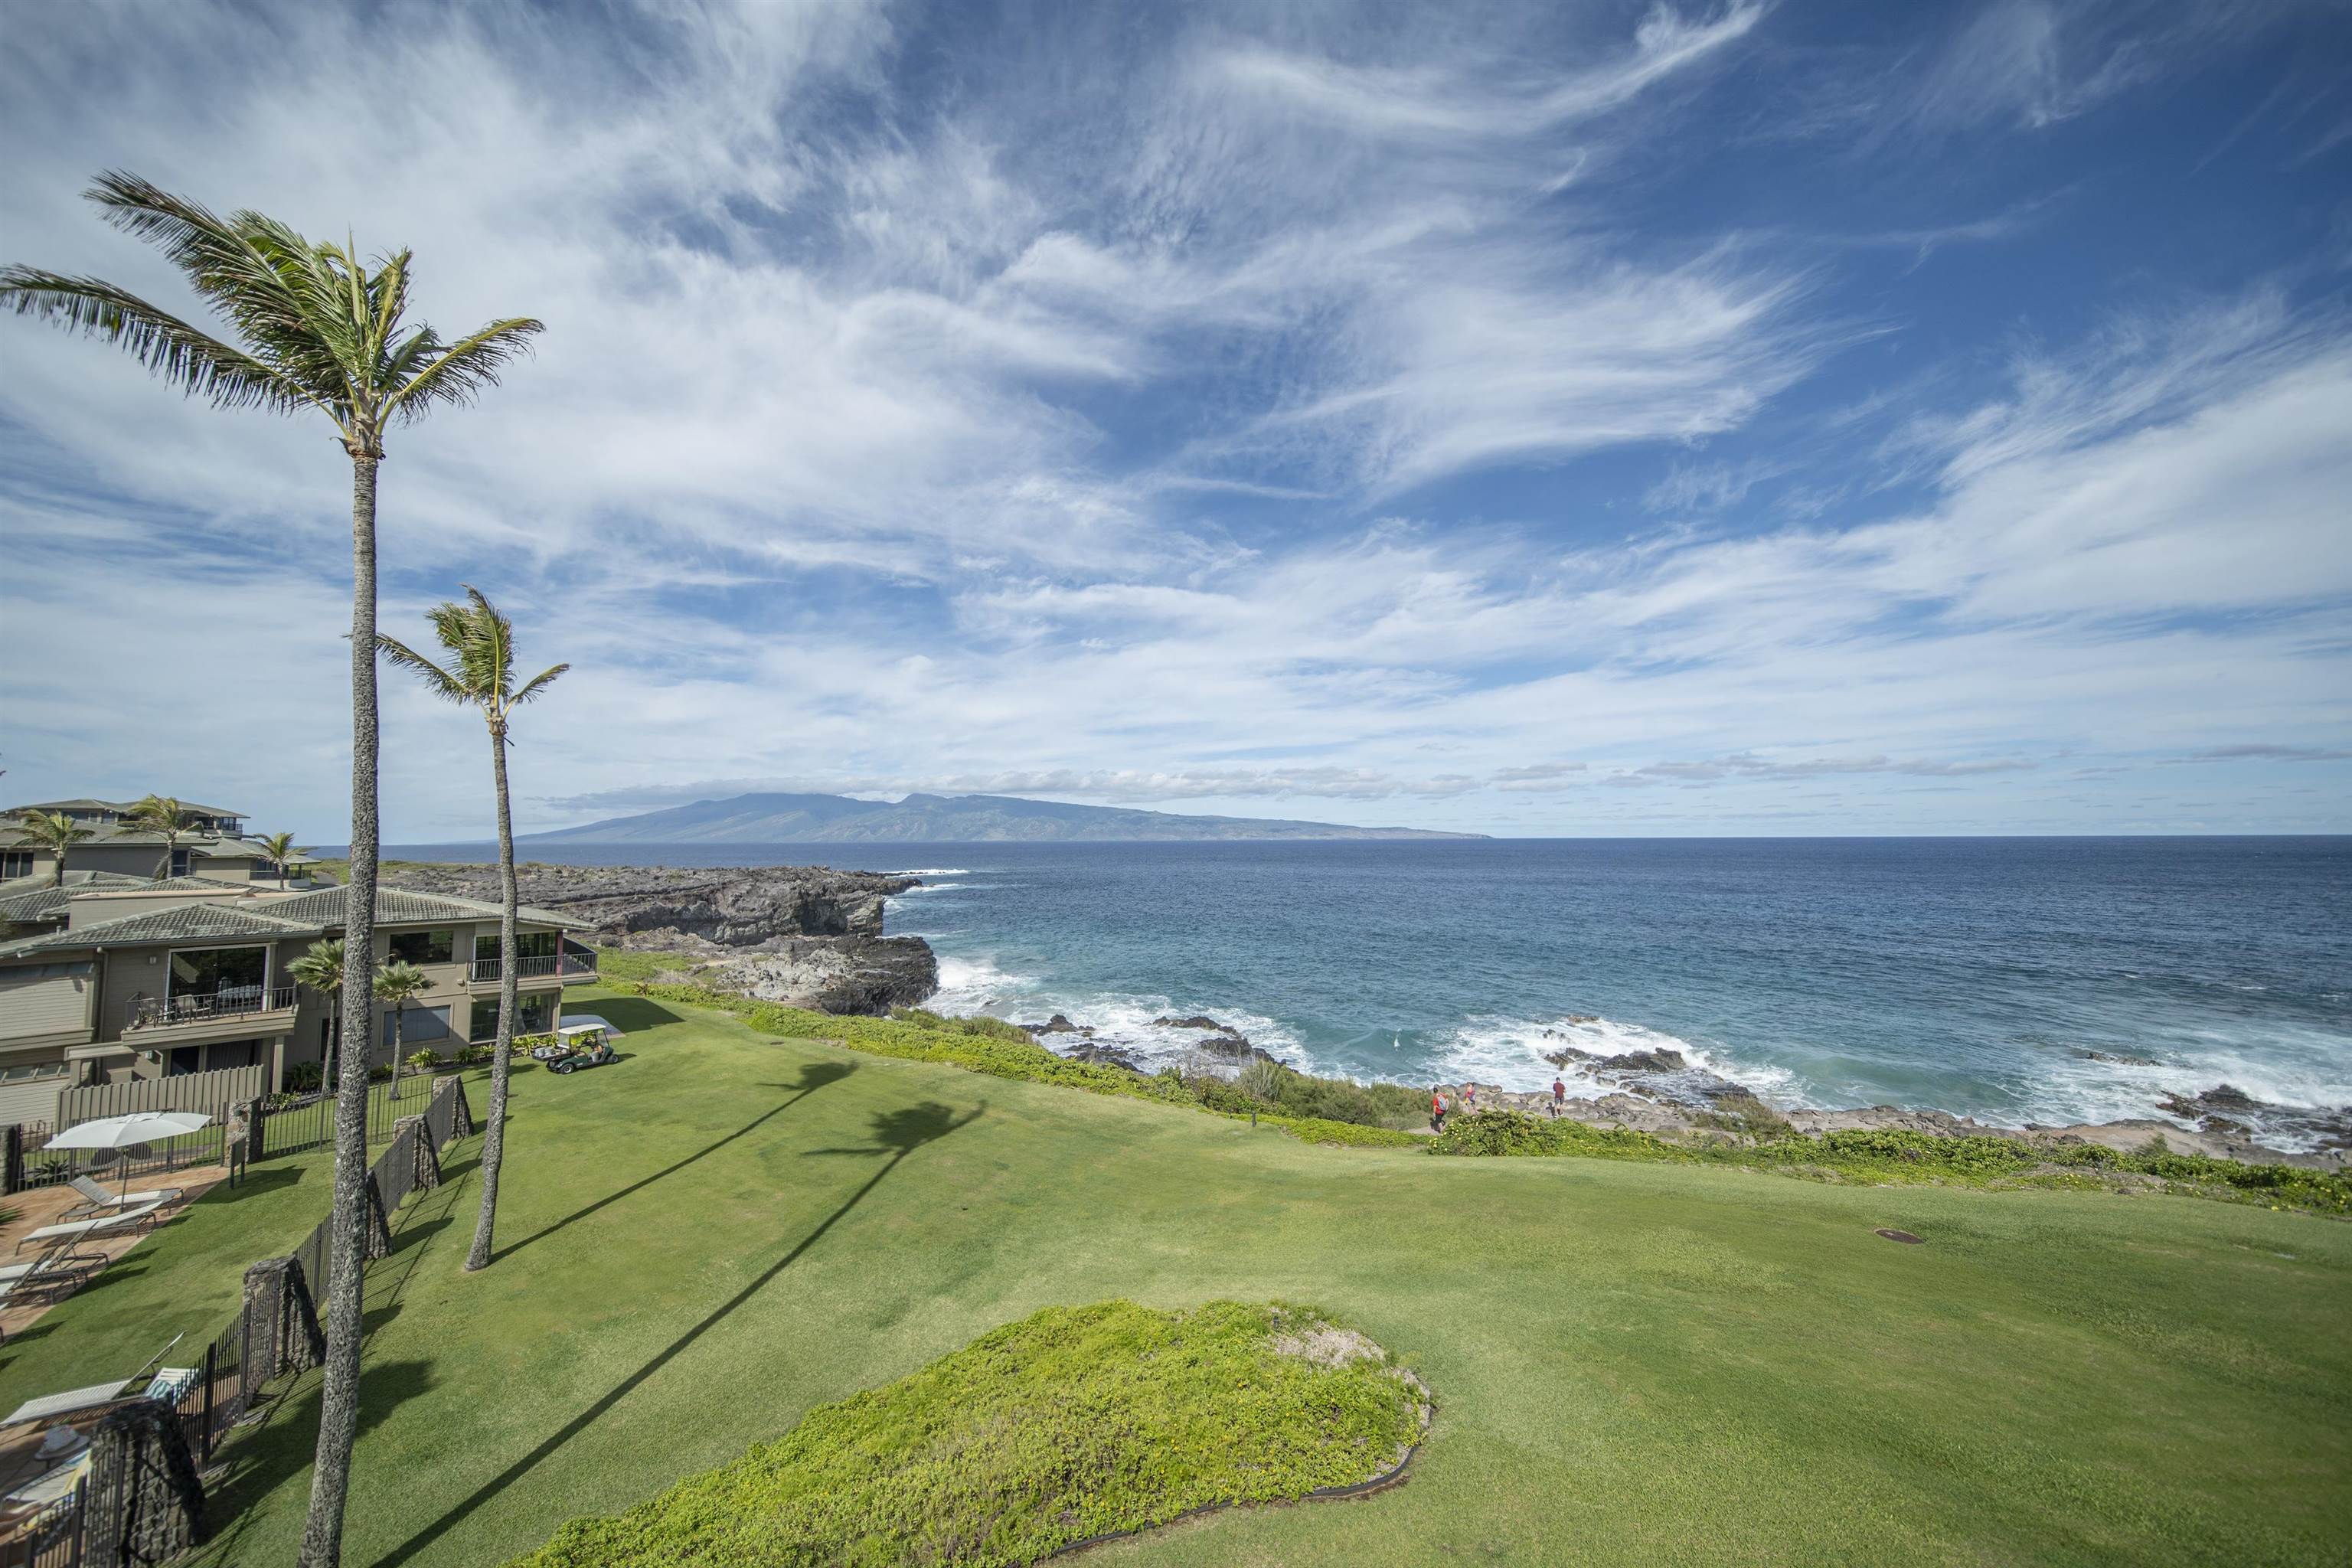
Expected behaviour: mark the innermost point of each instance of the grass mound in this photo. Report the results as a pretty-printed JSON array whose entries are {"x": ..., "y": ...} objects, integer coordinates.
[{"x": 1075, "y": 1422}]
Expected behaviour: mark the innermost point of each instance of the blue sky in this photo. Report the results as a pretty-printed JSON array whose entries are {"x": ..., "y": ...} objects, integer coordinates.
[{"x": 1538, "y": 419}]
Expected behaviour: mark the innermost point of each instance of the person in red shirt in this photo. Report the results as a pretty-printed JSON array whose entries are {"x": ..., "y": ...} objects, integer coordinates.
[
  {"x": 1559, "y": 1096},
  {"x": 1437, "y": 1111}
]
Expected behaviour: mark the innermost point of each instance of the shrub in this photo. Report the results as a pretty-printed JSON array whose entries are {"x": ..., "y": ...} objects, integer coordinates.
[
  {"x": 302, "y": 1078},
  {"x": 1261, "y": 1080},
  {"x": 1074, "y": 1423},
  {"x": 423, "y": 1061}
]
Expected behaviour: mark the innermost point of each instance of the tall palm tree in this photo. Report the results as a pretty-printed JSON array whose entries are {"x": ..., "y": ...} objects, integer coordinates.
[
  {"x": 321, "y": 969},
  {"x": 479, "y": 673},
  {"x": 279, "y": 848},
  {"x": 55, "y": 832},
  {"x": 398, "y": 983},
  {"x": 317, "y": 328},
  {"x": 161, "y": 814}
]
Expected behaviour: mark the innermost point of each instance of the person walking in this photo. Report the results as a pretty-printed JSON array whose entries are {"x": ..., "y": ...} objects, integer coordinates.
[
  {"x": 1558, "y": 1097},
  {"x": 1437, "y": 1111}
]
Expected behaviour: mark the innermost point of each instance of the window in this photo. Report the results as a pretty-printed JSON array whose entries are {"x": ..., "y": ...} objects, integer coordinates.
[
  {"x": 425, "y": 946},
  {"x": 23, "y": 1072},
  {"x": 179, "y": 862},
  {"x": 219, "y": 971},
  {"x": 528, "y": 944},
  {"x": 533, "y": 1015},
  {"x": 14, "y": 863},
  {"x": 183, "y": 1060}
]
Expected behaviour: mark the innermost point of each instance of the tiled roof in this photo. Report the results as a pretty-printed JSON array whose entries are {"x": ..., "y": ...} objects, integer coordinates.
[
  {"x": 89, "y": 803},
  {"x": 44, "y": 903},
  {"x": 226, "y": 922},
  {"x": 403, "y": 906}
]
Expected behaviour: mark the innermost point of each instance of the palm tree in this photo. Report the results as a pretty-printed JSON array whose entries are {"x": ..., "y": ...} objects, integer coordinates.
[
  {"x": 161, "y": 814},
  {"x": 55, "y": 832},
  {"x": 398, "y": 983},
  {"x": 321, "y": 969},
  {"x": 479, "y": 673},
  {"x": 319, "y": 329},
  {"x": 279, "y": 848}
]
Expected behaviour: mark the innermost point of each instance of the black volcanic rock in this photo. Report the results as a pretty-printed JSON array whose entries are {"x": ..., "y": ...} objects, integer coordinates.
[{"x": 808, "y": 935}]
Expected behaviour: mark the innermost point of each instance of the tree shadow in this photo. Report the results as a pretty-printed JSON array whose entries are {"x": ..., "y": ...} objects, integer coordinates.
[
  {"x": 897, "y": 1134},
  {"x": 814, "y": 1076},
  {"x": 629, "y": 1014},
  {"x": 260, "y": 1462}
]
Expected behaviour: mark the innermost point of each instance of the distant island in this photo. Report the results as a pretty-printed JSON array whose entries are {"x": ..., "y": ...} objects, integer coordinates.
[{"x": 935, "y": 819}]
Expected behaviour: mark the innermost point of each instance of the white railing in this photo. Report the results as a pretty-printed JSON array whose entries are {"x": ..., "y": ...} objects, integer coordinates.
[{"x": 570, "y": 965}]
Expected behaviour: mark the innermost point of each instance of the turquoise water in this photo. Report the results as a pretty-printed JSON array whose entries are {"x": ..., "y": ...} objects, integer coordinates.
[{"x": 1973, "y": 976}]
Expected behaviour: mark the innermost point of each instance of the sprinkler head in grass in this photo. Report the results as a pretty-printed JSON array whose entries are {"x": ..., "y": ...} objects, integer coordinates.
[{"x": 1904, "y": 1236}]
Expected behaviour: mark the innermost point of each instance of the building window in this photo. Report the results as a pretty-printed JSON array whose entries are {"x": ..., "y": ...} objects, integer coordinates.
[
  {"x": 424, "y": 946},
  {"x": 14, "y": 863},
  {"x": 23, "y": 1072},
  {"x": 182, "y": 1060},
  {"x": 533, "y": 1015},
  {"x": 226, "y": 972},
  {"x": 528, "y": 944}
]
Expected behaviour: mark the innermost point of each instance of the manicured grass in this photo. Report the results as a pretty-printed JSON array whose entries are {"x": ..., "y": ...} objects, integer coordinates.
[
  {"x": 187, "y": 1278},
  {"x": 1074, "y": 1423},
  {"x": 1631, "y": 1361}
]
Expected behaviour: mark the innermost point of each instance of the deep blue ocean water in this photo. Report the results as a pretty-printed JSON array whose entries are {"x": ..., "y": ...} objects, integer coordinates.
[{"x": 1975, "y": 975}]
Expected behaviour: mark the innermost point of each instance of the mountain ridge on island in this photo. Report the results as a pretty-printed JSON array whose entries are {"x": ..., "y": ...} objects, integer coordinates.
[{"x": 938, "y": 819}]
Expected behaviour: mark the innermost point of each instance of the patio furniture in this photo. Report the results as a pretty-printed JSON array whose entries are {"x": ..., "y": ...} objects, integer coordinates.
[
  {"x": 72, "y": 1402},
  {"x": 98, "y": 1200},
  {"x": 57, "y": 1269},
  {"x": 123, "y": 1131},
  {"x": 87, "y": 1229}
]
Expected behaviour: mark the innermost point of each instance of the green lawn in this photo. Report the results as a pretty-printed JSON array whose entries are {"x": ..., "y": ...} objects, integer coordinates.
[
  {"x": 185, "y": 1279},
  {"x": 1631, "y": 1363}
]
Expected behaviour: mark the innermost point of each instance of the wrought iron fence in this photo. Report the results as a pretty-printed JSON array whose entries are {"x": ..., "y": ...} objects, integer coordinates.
[
  {"x": 211, "y": 1395},
  {"x": 153, "y": 1013},
  {"x": 308, "y": 1121}
]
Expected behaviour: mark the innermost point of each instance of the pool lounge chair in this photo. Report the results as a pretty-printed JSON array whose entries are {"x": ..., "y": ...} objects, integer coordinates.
[
  {"x": 90, "y": 1229},
  {"x": 97, "y": 1200},
  {"x": 54, "y": 1272}
]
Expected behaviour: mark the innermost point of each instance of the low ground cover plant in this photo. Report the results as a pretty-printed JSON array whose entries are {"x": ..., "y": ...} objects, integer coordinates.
[
  {"x": 1893, "y": 1155},
  {"x": 1074, "y": 1423}
]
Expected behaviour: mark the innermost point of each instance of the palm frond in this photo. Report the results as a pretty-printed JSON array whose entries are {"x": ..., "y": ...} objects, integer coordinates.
[
  {"x": 539, "y": 683},
  {"x": 437, "y": 681},
  {"x": 167, "y": 346},
  {"x": 459, "y": 373}
]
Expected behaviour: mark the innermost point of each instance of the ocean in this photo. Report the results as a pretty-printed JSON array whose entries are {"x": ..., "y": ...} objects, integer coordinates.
[{"x": 2023, "y": 980}]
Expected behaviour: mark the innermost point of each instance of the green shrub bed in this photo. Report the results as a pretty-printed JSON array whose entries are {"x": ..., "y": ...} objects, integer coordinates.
[
  {"x": 1074, "y": 1423},
  {"x": 1888, "y": 1155}
]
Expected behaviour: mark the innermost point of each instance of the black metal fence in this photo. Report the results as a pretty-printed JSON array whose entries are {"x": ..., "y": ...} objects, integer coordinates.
[
  {"x": 309, "y": 1123},
  {"x": 223, "y": 1385}
]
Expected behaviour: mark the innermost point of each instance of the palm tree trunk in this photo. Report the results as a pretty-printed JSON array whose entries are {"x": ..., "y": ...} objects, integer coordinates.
[
  {"x": 494, "y": 1138},
  {"x": 338, "y": 1396}
]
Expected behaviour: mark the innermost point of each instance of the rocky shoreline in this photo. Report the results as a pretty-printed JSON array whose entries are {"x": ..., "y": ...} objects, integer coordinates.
[
  {"x": 1663, "y": 1092},
  {"x": 811, "y": 936},
  {"x": 806, "y": 935}
]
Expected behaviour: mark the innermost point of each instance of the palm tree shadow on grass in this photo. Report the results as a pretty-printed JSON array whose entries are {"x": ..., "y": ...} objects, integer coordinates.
[
  {"x": 897, "y": 1134},
  {"x": 814, "y": 1076}
]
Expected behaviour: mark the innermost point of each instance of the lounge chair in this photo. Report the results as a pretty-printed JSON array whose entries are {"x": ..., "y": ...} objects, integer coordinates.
[
  {"x": 84, "y": 1229},
  {"x": 98, "y": 1200},
  {"x": 58, "y": 1270}
]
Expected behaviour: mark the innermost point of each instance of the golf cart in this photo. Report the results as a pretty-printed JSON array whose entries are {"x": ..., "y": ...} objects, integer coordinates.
[{"x": 584, "y": 1044}]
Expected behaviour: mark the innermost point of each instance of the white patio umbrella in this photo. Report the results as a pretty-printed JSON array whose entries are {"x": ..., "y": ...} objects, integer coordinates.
[{"x": 122, "y": 1131}]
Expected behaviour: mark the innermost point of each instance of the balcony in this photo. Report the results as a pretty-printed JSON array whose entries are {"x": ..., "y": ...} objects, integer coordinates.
[
  {"x": 220, "y": 1015},
  {"x": 569, "y": 969}
]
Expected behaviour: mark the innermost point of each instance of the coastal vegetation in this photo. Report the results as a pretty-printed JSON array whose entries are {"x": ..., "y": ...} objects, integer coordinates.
[
  {"x": 1071, "y": 1424},
  {"x": 1337, "y": 1111}
]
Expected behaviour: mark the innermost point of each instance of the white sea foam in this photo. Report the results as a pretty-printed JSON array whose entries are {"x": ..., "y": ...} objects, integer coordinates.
[
  {"x": 934, "y": 871},
  {"x": 1509, "y": 1053},
  {"x": 2298, "y": 1068},
  {"x": 976, "y": 983}
]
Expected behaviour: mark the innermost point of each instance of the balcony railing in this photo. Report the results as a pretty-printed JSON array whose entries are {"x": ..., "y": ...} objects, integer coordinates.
[
  {"x": 570, "y": 965},
  {"x": 147, "y": 1013}
]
